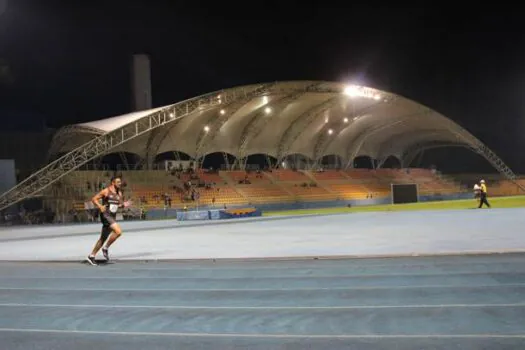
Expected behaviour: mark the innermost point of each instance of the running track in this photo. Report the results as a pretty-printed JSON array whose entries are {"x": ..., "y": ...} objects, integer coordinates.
[{"x": 474, "y": 301}]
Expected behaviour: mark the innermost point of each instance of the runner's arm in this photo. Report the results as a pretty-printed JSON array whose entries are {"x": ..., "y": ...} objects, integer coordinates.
[
  {"x": 124, "y": 203},
  {"x": 96, "y": 199}
]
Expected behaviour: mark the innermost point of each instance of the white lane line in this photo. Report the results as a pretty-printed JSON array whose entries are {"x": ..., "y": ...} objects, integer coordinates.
[
  {"x": 418, "y": 287},
  {"x": 277, "y": 336},
  {"x": 382, "y": 275},
  {"x": 296, "y": 265},
  {"x": 356, "y": 307}
]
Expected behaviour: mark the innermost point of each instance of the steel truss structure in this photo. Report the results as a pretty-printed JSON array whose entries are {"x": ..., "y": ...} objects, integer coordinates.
[
  {"x": 69, "y": 131},
  {"x": 222, "y": 105}
]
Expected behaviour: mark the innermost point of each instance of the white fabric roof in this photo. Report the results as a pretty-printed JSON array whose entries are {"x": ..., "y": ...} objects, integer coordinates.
[
  {"x": 110, "y": 124},
  {"x": 309, "y": 118}
]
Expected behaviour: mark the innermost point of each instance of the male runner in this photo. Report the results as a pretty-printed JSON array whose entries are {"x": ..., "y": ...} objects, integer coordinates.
[{"x": 112, "y": 200}]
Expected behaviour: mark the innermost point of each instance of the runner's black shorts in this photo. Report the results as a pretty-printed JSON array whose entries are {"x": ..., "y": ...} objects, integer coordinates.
[{"x": 107, "y": 219}]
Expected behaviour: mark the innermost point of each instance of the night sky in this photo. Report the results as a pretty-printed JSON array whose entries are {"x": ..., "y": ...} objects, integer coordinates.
[{"x": 69, "y": 61}]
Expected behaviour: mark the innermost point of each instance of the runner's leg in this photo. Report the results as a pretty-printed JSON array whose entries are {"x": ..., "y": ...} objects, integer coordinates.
[{"x": 117, "y": 232}]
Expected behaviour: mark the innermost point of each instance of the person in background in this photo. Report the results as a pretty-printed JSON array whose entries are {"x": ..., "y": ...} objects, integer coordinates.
[
  {"x": 483, "y": 194},
  {"x": 477, "y": 192}
]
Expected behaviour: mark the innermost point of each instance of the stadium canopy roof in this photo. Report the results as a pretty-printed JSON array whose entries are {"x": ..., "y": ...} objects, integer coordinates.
[
  {"x": 310, "y": 118},
  {"x": 110, "y": 124}
]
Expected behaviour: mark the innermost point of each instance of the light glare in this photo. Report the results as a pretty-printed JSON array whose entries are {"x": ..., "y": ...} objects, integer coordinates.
[
  {"x": 351, "y": 90},
  {"x": 361, "y": 91},
  {"x": 268, "y": 110}
]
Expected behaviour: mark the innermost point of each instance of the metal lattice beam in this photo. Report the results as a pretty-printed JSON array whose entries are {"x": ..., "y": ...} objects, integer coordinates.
[
  {"x": 54, "y": 171},
  {"x": 66, "y": 133},
  {"x": 71, "y": 161},
  {"x": 479, "y": 147}
]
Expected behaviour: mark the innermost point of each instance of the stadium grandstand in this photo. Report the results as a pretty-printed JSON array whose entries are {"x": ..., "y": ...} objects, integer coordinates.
[{"x": 310, "y": 134}]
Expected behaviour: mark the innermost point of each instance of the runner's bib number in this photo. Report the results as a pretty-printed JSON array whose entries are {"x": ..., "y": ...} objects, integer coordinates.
[{"x": 113, "y": 208}]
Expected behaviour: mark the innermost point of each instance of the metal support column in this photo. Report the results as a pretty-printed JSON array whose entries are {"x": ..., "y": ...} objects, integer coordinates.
[
  {"x": 226, "y": 160},
  {"x": 200, "y": 161},
  {"x": 268, "y": 161},
  {"x": 124, "y": 160},
  {"x": 420, "y": 158}
]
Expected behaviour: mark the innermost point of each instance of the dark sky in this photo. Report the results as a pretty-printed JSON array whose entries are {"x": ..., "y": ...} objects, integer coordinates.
[{"x": 68, "y": 61}]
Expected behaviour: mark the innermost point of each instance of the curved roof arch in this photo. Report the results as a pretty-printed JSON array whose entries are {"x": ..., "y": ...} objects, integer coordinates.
[
  {"x": 299, "y": 117},
  {"x": 305, "y": 117}
]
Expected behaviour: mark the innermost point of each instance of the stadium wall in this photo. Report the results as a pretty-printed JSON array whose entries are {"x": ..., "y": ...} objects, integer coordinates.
[
  {"x": 447, "y": 197},
  {"x": 218, "y": 214},
  {"x": 153, "y": 214}
]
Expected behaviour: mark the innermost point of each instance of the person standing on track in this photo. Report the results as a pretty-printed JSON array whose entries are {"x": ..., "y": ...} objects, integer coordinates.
[
  {"x": 483, "y": 194},
  {"x": 112, "y": 199}
]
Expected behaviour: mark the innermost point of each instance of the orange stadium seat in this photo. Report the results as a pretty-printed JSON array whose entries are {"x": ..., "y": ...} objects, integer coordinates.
[
  {"x": 253, "y": 177},
  {"x": 329, "y": 175},
  {"x": 265, "y": 194},
  {"x": 309, "y": 193},
  {"x": 278, "y": 186},
  {"x": 360, "y": 173},
  {"x": 289, "y": 175}
]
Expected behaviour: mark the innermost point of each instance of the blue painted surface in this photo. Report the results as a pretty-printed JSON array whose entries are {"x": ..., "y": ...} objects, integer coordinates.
[
  {"x": 194, "y": 215},
  {"x": 448, "y": 302},
  {"x": 219, "y": 214},
  {"x": 447, "y": 197},
  {"x": 457, "y": 302},
  {"x": 214, "y": 214},
  {"x": 321, "y": 204},
  {"x": 155, "y": 214}
]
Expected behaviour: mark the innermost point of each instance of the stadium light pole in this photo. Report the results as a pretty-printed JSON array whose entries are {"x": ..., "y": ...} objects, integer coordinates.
[{"x": 3, "y": 6}]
